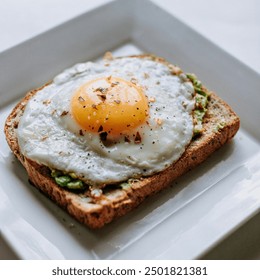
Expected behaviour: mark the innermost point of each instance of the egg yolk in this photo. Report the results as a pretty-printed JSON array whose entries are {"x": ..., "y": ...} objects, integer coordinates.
[{"x": 109, "y": 104}]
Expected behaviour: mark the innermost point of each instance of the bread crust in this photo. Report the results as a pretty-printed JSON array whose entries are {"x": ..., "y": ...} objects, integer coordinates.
[{"x": 95, "y": 212}]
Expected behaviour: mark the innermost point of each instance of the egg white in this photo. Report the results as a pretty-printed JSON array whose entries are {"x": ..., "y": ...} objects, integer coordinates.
[{"x": 48, "y": 134}]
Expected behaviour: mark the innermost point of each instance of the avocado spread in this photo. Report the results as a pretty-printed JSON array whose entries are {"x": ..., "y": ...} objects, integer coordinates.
[
  {"x": 201, "y": 102},
  {"x": 69, "y": 180}
]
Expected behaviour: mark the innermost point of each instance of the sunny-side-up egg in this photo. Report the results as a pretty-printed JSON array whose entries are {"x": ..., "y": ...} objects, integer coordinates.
[{"x": 109, "y": 121}]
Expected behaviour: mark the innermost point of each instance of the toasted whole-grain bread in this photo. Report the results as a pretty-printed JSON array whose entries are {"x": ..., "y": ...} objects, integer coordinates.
[{"x": 96, "y": 211}]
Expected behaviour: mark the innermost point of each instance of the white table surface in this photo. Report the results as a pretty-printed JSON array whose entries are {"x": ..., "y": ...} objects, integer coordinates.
[{"x": 233, "y": 25}]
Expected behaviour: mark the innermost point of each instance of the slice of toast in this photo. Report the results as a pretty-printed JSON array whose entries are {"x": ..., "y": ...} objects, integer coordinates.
[{"x": 220, "y": 124}]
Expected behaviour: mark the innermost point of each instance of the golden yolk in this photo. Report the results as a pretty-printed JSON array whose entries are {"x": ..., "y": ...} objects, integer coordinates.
[{"x": 109, "y": 104}]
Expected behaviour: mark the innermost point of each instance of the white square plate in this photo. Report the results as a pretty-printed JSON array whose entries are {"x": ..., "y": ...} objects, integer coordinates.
[{"x": 182, "y": 222}]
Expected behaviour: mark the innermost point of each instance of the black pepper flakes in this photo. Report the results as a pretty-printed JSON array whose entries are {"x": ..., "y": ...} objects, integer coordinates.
[
  {"x": 46, "y": 102},
  {"x": 81, "y": 99},
  {"x": 101, "y": 89},
  {"x": 138, "y": 138},
  {"x": 44, "y": 138},
  {"x": 100, "y": 129},
  {"x": 127, "y": 139},
  {"x": 103, "y": 136},
  {"x": 102, "y": 96},
  {"x": 146, "y": 76},
  {"x": 134, "y": 81},
  {"x": 114, "y": 84},
  {"x": 64, "y": 113},
  {"x": 16, "y": 124},
  {"x": 184, "y": 104}
]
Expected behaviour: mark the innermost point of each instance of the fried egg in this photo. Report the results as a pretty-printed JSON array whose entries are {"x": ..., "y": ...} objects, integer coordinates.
[{"x": 109, "y": 121}]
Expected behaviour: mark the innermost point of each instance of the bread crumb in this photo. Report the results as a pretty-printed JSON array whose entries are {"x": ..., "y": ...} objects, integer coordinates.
[{"x": 108, "y": 56}]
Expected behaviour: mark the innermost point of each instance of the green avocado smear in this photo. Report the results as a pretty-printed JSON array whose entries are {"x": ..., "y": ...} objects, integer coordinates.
[
  {"x": 70, "y": 180},
  {"x": 201, "y": 102},
  {"x": 72, "y": 183}
]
